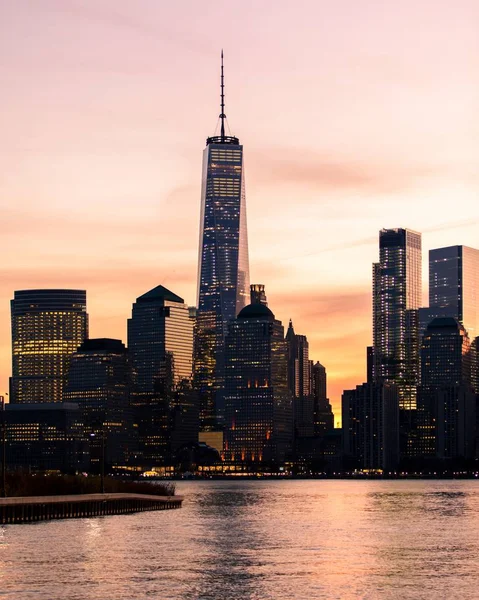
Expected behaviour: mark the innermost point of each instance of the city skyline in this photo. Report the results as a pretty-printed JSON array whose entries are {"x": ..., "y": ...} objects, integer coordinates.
[{"x": 95, "y": 170}]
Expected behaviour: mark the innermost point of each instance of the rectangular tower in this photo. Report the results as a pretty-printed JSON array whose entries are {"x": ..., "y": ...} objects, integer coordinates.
[
  {"x": 396, "y": 300},
  {"x": 47, "y": 328},
  {"x": 454, "y": 286}
]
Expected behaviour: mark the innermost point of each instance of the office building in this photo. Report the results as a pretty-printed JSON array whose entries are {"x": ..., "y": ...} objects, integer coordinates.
[
  {"x": 258, "y": 404},
  {"x": 446, "y": 400},
  {"x": 396, "y": 300},
  {"x": 48, "y": 326},
  {"x": 453, "y": 287},
  {"x": 370, "y": 423},
  {"x": 160, "y": 344},
  {"x": 322, "y": 410},
  {"x": 299, "y": 383},
  {"x": 223, "y": 270},
  {"x": 46, "y": 437},
  {"x": 99, "y": 381}
]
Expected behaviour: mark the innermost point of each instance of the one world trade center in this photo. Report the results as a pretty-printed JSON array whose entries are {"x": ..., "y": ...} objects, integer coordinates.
[{"x": 223, "y": 266}]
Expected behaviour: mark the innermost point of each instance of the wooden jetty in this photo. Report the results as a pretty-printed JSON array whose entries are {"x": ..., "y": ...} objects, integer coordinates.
[{"x": 29, "y": 509}]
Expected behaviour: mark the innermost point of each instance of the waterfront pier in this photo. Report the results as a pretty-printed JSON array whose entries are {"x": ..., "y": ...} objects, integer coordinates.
[{"x": 44, "y": 508}]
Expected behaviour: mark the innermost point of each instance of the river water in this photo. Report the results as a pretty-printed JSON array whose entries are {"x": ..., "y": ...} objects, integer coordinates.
[{"x": 279, "y": 540}]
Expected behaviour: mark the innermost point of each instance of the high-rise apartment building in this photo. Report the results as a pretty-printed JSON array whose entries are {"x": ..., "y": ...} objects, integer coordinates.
[
  {"x": 453, "y": 287},
  {"x": 396, "y": 300},
  {"x": 322, "y": 410},
  {"x": 223, "y": 269},
  {"x": 370, "y": 423},
  {"x": 446, "y": 401},
  {"x": 47, "y": 328},
  {"x": 299, "y": 383},
  {"x": 160, "y": 344},
  {"x": 99, "y": 381},
  {"x": 258, "y": 404}
]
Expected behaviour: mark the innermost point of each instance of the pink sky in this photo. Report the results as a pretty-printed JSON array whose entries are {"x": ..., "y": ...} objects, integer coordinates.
[{"x": 354, "y": 116}]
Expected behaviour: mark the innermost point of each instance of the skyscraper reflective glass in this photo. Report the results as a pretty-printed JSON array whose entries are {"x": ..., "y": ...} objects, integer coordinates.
[
  {"x": 396, "y": 300},
  {"x": 223, "y": 269},
  {"x": 47, "y": 328},
  {"x": 454, "y": 286}
]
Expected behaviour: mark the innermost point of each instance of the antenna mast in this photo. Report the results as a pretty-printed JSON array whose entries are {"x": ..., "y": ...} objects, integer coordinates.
[{"x": 222, "y": 115}]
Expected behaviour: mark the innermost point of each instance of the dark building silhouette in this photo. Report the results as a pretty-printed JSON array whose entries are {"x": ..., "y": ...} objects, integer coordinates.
[
  {"x": 322, "y": 410},
  {"x": 99, "y": 381},
  {"x": 299, "y": 383},
  {"x": 446, "y": 400},
  {"x": 257, "y": 294},
  {"x": 258, "y": 404},
  {"x": 160, "y": 343},
  {"x": 47, "y": 328},
  {"x": 370, "y": 364},
  {"x": 223, "y": 272},
  {"x": 396, "y": 300},
  {"x": 46, "y": 437},
  {"x": 370, "y": 424}
]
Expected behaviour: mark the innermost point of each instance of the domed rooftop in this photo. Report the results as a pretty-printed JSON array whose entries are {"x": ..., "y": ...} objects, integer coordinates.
[
  {"x": 444, "y": 323},
  {"x": 256, "y": 311}
]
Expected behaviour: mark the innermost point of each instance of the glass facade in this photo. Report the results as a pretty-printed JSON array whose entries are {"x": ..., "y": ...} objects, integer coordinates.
[
  {"x": 446, "y": 401},
  {"x": 48, "y": 326},
  {"x": 46, "y": 437},
  {"x": 299, "y": 383},
  {"x": 323, "y": 414},
  {"x": 258, "y": 404},
  {"x": 454, "y": 286},
  {"x": 396, "y": 299},
  {"x": 223, "y": 270},
  {"x": 160, "y": 343},
  {"x": 160, "y": 338},
  {"x": 370, "y": 423},
  {"x": 99, "y": 381}
]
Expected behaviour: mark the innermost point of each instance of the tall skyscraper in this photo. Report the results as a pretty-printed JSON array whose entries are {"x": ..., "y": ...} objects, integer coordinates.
[
  {"x": 446, "y": 401},
  {"x": 223, "y": 270},
  {"x": 299, "y": 383},
  {"x": 47, "y": 328},
  {"x": 396, "y": 300},
  {"x": 99, "y": 381},
  {"x": 454, "y": 287},
  {"x": 258, "y": 404},
  {"x": 160, "y": 344},
  {"x": 322, "y": 410}
]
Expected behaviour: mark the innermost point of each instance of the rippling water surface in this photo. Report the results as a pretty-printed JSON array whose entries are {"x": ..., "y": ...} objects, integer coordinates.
[{"x": 259, "y": 539}]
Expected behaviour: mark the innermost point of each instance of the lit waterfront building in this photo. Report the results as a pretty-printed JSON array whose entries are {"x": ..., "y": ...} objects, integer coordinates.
[
  {"x": 46, "y": 436},
  {"x": 47, "y": 328},
  {"x": 99, "y": 381},
  {"x": 223, "y": 270},
  {"x": 453, "y": 287},
  {"x": 258, "y": 404},
  {"x": 397, "y": 292},
  {"x": 160, "y": 345}
]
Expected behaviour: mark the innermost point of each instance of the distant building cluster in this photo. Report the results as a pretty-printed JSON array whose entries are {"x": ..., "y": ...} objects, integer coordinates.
[{"x": 221, "y": 388}]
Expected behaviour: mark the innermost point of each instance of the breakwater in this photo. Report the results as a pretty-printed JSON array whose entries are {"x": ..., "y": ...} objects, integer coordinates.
[{"x": 44, "y": 508}]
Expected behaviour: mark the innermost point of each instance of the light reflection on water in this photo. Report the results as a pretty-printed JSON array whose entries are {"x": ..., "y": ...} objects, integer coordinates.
[{"x": 259, "y": 540}]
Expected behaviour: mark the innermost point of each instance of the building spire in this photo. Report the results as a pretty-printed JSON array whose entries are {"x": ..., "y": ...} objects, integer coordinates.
[{"x": 222, "y": 114}]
